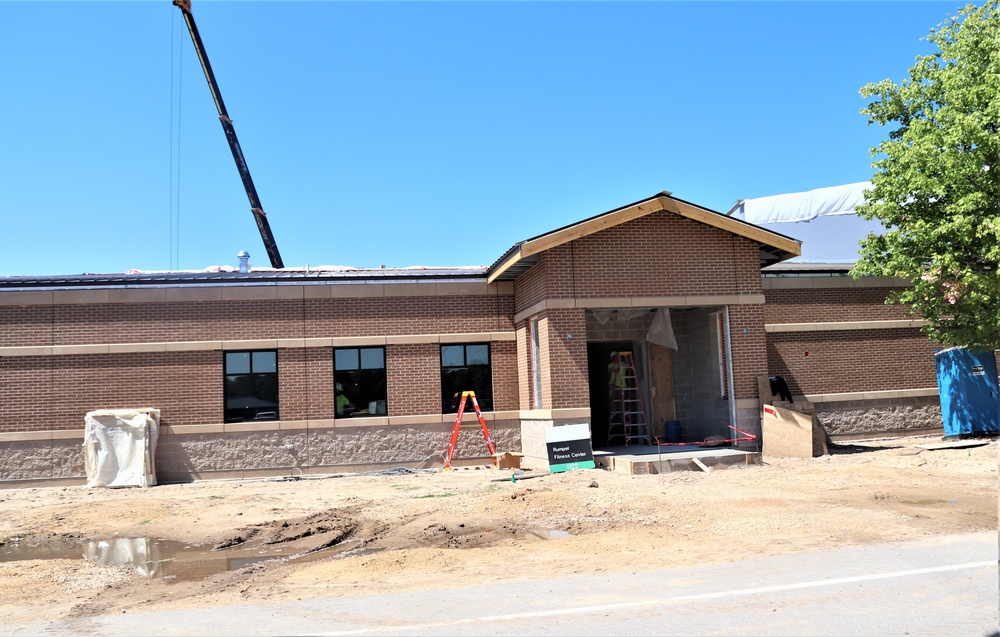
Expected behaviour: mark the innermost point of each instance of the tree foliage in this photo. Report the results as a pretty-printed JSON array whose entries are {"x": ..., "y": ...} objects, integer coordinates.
[{"x": 937, "y": 182}]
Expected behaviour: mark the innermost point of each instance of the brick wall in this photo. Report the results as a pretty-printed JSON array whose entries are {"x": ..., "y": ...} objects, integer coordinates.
[
  {"x": 413, "y": 378},
  {"x": 408, "y": 315},
  {"x": 821, "y": 305},
  {"x": 661, "y": 254},
  {"x": 55, "y": 392},
  {"x": 505, "y": 377},
  {"x": 257, "y": 319},
  {"x": 24, "y": 325},
  {"x": 852, "y": 360},
  {"x": 749, "y": 348},
  {"x": 567, "y": 358},
  {"x": 529, "y": 288}
]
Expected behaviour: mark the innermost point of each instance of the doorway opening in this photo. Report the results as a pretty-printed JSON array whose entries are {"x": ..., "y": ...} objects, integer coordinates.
[{"x": 683, "y": 381}]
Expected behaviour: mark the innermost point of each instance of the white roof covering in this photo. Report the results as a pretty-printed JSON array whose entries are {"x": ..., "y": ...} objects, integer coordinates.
[
  {"x": 804, "y": 206},
  {"x": 823, "y": 219}
]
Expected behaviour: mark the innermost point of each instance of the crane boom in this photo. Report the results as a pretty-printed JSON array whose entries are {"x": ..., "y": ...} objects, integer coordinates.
[{"x": 234, "y": 144}]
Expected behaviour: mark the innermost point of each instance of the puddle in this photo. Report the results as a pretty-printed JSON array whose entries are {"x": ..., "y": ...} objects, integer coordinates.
[
  {"x": 549, "y": 534},
  {"x": 156, "y": 558}
]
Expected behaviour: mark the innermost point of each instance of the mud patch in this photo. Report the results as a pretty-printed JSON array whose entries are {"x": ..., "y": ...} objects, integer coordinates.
[{"x": 303, "y": 536}]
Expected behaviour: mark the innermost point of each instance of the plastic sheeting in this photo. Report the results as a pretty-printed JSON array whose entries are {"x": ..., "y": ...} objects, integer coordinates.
[
  {"x": 625, "y": 314},
  {"x": 804, "y": 206},
  {"x": 119, "y": 447},
  {"x": 661, "y": 332}
]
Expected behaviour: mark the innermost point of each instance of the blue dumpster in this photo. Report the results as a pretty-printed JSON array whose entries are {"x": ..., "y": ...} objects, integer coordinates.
[{"x": 969, "y": 392}]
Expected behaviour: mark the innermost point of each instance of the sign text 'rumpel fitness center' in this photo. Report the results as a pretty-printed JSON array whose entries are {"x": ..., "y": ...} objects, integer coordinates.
[{"x": 569, "y": 448}]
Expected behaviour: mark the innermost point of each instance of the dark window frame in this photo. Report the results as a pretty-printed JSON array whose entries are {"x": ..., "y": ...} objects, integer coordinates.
[
  {"x": 449, "y": 400},
  {"x": 358, "y": 389},
  {"x": 257, "y": 379}
]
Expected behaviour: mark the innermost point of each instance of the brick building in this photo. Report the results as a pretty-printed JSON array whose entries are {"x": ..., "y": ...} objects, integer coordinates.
[{"x": 260, "y": 372}]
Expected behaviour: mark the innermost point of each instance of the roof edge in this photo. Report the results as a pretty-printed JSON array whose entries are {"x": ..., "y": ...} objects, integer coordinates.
[{"x": 783, "y": 247}]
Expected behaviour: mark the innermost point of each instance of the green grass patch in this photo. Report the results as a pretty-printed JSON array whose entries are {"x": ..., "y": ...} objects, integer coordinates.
[{"x": 446, "y": 494}]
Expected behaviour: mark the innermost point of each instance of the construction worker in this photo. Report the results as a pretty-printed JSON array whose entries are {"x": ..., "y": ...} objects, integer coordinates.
[
  {"x": 616, "y": 373},
  {"x": 343, "y": 403}
]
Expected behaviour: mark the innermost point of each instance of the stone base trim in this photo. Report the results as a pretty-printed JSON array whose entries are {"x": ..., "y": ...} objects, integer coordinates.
[
  {"x": 469, "y": 419},
  {"x": 867, "y": 395},
  {"x": 886, "y": 416},
  {"x": 272, "y": 453},
  {"x": 844, "y": 325}
]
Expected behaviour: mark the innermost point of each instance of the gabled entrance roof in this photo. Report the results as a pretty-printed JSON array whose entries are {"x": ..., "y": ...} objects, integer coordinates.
[{"x": 774, "y": 247}]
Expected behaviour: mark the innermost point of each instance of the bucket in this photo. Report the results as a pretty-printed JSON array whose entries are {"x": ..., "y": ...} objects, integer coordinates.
[{"x": 673, "y": 430}]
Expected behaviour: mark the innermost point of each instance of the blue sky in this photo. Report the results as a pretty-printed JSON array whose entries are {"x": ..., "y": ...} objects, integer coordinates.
[{"x": 417, "y": 133}]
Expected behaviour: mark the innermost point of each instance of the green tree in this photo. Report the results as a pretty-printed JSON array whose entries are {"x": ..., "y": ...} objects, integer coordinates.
[{"x": 936, "y": 188}]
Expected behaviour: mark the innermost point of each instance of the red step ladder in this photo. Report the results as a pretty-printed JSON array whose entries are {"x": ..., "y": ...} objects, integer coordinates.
[{"x": 458, "y": 425}]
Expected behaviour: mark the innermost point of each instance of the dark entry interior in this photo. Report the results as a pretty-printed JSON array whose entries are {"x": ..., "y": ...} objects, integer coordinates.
[{"x": 598, "y": 357}]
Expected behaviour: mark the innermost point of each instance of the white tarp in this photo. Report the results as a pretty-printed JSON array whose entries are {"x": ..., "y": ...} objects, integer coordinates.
[
  {"x": 119, "y": 446},
  {"x": 804, "y": 206},
  {"x": 661, "y": 332}
]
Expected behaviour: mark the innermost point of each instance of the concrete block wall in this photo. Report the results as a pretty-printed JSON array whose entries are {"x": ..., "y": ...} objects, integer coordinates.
[{"x": 697, "y": 391}]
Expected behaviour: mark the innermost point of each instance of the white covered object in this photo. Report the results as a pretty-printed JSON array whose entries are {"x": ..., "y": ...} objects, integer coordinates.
[
  {"x": 804, "y": 206},
  {"x": 119, "y": 446},
  {"x": 661, "y": 332}
]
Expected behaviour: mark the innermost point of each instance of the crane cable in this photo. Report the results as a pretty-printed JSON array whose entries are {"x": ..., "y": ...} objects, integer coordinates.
[{"x": 174, "y": 221}]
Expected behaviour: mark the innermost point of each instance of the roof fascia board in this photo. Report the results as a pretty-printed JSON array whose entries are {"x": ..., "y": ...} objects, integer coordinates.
[
  {"x": 602, "y": 222},
  {"x": 730, "y": 225},
  {"x": 512, "y": 259}
]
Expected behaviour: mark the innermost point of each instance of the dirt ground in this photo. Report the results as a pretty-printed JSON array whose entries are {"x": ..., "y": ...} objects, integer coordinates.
[{"x": 418, "y": 530}]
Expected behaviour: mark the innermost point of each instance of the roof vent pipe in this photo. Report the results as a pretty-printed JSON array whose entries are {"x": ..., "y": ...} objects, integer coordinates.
[{"x": 244, "y": 258}]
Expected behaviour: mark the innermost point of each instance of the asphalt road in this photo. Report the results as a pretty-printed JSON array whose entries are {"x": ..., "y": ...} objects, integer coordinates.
[{"x": 938, "y": 586}]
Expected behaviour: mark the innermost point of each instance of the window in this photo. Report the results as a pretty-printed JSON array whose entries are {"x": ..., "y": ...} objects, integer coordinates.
[
  {"x": 251, "y": 390},
  {"x": 536, "y": 367},
  {"x": 359, "y": 381},
  {"x": 466, "y": 368},
  {"x": 719, "y": 333}
]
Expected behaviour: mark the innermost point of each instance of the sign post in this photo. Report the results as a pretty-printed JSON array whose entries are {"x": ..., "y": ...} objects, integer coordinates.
[{"x": 569, "y": 448}]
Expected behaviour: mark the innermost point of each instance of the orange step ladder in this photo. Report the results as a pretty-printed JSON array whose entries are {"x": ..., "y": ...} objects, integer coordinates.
[
  {"x": 627, "y": 421},
  {"x": 458, "y": 425}
]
